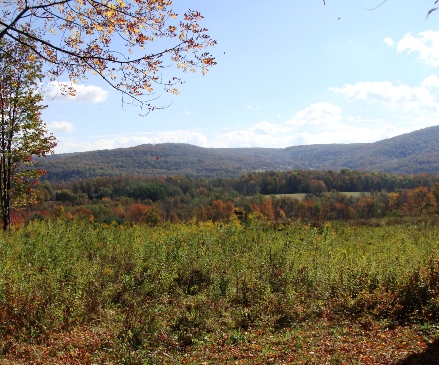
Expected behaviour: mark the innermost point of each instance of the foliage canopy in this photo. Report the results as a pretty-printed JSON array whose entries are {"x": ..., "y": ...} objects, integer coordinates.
[
  {"x": 113, "y": 39},
  {"x": 23, "y": 134}
]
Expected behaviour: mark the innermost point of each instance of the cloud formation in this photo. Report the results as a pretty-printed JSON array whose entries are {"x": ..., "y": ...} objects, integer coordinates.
[
  {"x": 349, "y": 133},
  {"x": 388, "y": 41},
  {"x": 426, "y": 44},
  {"x": 64, "y": 127},
  {"x": 66, "y": 145},
  {"x": 328, "y": 125},
  {"x": 83, "y": 93},
  {"x": 317, "y": 114},
  {"x": 418, "y": 98}
]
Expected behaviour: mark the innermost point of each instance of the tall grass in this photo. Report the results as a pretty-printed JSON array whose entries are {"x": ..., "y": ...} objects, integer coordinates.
[{"x": 176, "y": 284}]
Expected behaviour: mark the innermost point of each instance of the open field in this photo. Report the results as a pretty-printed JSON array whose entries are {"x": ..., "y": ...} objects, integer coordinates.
[
  {"x": 300, "y": 196},
  {"x": 204, "y": 293}
]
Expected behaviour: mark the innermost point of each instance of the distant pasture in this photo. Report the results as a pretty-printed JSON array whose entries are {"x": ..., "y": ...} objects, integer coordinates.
[{"x": 301, "y": 196}]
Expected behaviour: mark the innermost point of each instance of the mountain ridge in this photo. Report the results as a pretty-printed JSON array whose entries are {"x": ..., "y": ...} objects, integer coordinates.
[{"x": 415, "y": 152}]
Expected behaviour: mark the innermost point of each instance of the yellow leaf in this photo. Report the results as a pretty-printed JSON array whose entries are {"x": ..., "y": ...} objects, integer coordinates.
[
  {"x": 174, "y": 91},
  {"x": 121, "y": 3}
]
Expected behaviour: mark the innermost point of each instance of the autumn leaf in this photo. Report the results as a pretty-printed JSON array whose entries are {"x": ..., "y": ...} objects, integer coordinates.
[
  {"x": 90, "y": 44},
  {"x": 121, "y": 3}
]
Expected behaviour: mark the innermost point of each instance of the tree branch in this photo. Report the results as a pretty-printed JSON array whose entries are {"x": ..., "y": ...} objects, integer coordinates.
[{"x": 83, "y": 57}]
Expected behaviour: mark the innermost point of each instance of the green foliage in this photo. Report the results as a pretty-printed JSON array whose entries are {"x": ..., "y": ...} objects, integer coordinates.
[
  {"x": 23, "y": 134},
  {"x": 151, "y": 217},
  {"x": 142, "y": 190}
]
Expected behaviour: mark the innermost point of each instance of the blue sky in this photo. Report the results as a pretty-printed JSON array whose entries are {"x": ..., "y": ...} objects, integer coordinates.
[{"x": 292, "y": 73}]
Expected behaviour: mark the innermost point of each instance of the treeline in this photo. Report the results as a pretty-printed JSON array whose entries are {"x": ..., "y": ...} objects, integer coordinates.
[
  {"x": 266, "y": 183},
  {"x": 317, "y": 182},
  {"x": 179, "y": 198},
  {"x": 420, "y": 201}
]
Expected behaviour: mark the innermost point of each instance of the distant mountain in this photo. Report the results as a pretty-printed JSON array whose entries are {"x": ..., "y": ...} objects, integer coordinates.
[{"x": 414, "y": 152}]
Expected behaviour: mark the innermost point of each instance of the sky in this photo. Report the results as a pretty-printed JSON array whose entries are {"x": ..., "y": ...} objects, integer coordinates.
[{"x": 289, "y": 73}]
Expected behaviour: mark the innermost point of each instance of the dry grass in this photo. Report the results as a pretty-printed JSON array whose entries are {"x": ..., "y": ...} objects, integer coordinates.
[{"x": 78, "y": 293}]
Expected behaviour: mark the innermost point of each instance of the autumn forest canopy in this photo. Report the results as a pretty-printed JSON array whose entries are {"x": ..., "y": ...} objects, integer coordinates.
[{"x": 312, "y": 196}]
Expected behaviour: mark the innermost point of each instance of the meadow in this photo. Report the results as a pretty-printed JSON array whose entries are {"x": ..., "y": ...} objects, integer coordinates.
[
  {"x": 77, "y": 292},
  {"x": 301, "y": 196}
]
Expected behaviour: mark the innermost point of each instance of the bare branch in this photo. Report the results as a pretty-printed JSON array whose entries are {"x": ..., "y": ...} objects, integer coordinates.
[
  {"x": 430, "y": 11},
  {"x": 376, "y": 7}
]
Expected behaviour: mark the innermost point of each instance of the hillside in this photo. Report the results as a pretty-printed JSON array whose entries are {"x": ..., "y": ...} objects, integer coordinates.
[{"x": 414, "y": 152}]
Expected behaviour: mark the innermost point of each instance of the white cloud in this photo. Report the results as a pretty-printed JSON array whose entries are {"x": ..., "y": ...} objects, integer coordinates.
[
  {"x": 268, "y": 128},
  {"x": 83, "y": 93},
  {"x": 249, "y": 107},
  {"x": 187, "y": 113},
  {"x": 317, "y": 114},
  {"x": 244, "y": 138},
  {"x": 346, "y": 133},
  {"x": 418, "y": 98},
  {"x": 351, "y": 134},
  {"x": 64, "y": 127},
  {"x": 72, "y": 145},
  {"x": 320, "y": 123},
  {"x": 430, "y": 82},
  {"x": 426, "y": 44},
  {"x": 388, "y": 41},
  {"x": 280, "y": 136}
]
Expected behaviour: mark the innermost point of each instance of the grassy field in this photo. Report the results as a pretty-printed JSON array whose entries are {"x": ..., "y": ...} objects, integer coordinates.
[
  {"x": 300, "y": 196},
  {"x": 80, "y": 293}
]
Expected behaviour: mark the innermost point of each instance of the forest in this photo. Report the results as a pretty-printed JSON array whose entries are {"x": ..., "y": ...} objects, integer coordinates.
[
  {"x": 313, "y": 196},
  {"x": 415, "y": 152}
]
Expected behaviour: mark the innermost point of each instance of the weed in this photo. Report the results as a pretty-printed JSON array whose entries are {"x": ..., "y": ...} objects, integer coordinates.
[{"x": 159, "y": 293}]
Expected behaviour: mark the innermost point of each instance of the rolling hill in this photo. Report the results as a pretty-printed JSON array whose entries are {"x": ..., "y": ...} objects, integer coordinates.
[{"x": 415, "y": 152}]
